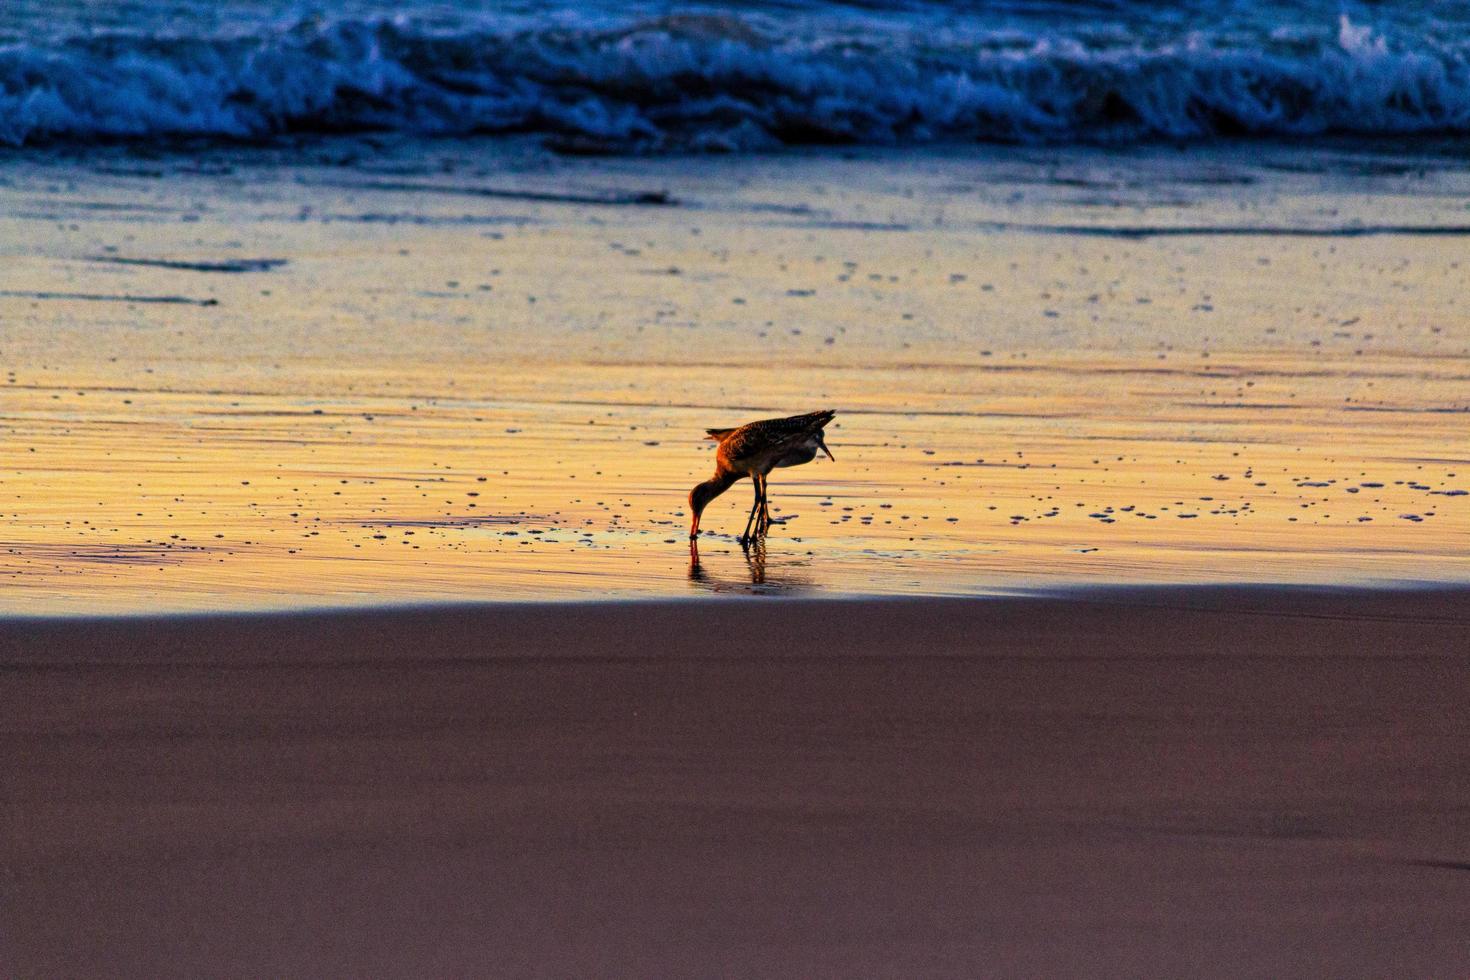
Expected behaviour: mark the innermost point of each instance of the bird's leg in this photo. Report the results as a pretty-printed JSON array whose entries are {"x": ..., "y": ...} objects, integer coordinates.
[
  {"x": 760, "y": 505},
  {"x": 746, "y": 535},
  {"x": 765, "y": 506}
]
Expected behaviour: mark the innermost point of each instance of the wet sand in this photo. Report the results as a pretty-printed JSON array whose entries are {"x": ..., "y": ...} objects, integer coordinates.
[
  {"x": 1156, "y": 781},
  {"x": 367, "y": 370}
]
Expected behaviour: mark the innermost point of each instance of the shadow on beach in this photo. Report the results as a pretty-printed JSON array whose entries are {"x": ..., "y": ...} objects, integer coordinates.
[{"x": 1188, "y": 782}]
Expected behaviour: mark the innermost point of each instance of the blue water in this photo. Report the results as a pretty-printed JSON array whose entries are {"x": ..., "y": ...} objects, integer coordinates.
[{"x": 652, "y": 77}]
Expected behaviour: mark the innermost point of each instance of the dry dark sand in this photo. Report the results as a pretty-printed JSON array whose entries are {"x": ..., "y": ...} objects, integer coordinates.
[{"x": 1148, "y": 782}]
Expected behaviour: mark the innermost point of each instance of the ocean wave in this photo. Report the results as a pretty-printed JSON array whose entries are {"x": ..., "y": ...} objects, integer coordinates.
[{"x": 722, "y": 82}]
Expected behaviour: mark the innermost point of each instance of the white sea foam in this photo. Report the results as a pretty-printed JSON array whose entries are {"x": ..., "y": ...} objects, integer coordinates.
[{"x": 722, "y": 81}]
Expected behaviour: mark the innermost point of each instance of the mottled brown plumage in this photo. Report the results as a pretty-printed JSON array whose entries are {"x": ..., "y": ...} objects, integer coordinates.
[{"x": 753, "y": 450}]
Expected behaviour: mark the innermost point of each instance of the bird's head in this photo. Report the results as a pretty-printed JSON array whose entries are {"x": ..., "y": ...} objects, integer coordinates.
[{"x": 700, "y": 497}]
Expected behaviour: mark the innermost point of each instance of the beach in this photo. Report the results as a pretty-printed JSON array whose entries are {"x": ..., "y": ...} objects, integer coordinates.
[
  {"x": 355, "y": 370},
  {"x": 1211, "y": 781}
]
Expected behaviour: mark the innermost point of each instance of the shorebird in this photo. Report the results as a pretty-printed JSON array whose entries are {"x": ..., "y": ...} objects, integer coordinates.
[{"x": 753, "y": 450}]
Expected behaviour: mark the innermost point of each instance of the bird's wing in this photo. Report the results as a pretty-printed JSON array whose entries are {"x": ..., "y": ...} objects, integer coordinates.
[
  {"x": 814, "y": 420},
  {"x": 769, "y": 434},
  {"x": 803, "y": 424}
]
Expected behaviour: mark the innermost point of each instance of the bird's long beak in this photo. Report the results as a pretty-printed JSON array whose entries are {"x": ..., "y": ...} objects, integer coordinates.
[{"x": 823, "y": 443}]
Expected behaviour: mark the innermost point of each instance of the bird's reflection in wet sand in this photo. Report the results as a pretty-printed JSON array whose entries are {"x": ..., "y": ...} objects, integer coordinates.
[{"x": 781, "y": 579}]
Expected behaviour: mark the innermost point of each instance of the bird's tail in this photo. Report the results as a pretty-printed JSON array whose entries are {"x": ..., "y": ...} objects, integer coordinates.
[{"x": 718, "y": 435}]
